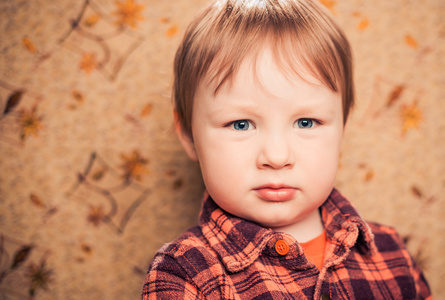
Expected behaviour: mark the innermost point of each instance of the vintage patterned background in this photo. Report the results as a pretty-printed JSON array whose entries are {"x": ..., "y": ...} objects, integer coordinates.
[{"x": 93, "y": 180}]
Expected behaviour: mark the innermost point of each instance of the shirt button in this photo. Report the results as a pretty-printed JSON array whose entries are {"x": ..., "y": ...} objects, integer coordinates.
[
  {"x": 325, "y": 297},
  {"x": 282, "y": 247}
]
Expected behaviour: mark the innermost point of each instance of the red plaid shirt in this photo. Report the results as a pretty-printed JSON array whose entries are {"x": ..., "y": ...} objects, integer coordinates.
[{"x": 230, "y": 258}]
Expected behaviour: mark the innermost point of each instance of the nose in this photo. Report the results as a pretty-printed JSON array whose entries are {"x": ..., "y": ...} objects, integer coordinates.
[{"x": 276, "y": 152}]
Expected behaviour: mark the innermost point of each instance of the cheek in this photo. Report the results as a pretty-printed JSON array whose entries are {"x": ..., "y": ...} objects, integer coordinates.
[
  {"x": 322, "y": 161},
  {"x": 321, "y": 167},
  {"x": 225, "y": 179},
  {"x": 222, "y": 166}
]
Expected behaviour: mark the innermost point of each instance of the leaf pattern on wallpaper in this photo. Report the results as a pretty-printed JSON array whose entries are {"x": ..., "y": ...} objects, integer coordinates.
[
  {"x": 417, "y": 192},
  {"x": 422, "y": 50},
  {"x": 411, "y": 117},
  {"x": 30, "y": 122},
  {"x": 411, "y": 42},
  {"x": 40, "y": 277},
  {"x": 134, "y": 166},
  {"x": 96, "y": 215},
  {"x": 36, "y": 200},
  {"x": 88, "y": 62},
  {"x": 172, "y": 31},
  {"x": 369, "y": 173},
  {"x": 20, "y": 119},
  {"x": 363, "y": 24},
  {"x": 86, "y": 248},
  {"x": 78, "y": 96},
  {"x": 13, "y": 101},
  {"x": 330, "y": 4},
  {"x": 146, "y": 110},
  {"x": 363, "y": 21},
  {"x": 91, "y": 20},
  {"x": 93, "y": 34},
  {"x": 18, "y": 262},
  {"x": 112, "y": 195},
  {"x": 128, "y": 13},
  {"x": 395, "y": 94},
  {"x": 42, "y": 204},
  {"x": 78, "y": 99},
  {"x": 20, "y": 256},
  {"x": 390, "y": 98},
  {"x": 29, "y": 45}
]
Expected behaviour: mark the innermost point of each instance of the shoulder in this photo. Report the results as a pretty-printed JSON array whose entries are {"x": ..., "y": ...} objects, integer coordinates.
[
  {"x": 386, "y": 238},
  {"x": 166, "y": 278},
  {"x": 186, "y": 264},
  {"x": 188, "y": 247},
  {"x": 191, "y": 238},
  {"x": 392, "y": 253},
  {"x": 391, "y": 247}
]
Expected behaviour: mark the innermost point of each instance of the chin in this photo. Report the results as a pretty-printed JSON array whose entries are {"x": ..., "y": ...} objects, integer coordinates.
[{"x": 273, "y": 223}]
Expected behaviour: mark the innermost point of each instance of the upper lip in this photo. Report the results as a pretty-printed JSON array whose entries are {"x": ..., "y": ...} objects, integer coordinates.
[{"x": 274, "y": 186}]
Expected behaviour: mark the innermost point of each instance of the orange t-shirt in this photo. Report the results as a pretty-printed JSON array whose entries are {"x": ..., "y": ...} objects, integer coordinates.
[{"x": 315, "y": 248}]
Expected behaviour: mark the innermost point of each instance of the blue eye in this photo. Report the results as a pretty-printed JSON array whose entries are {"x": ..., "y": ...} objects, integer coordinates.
[
  {"x": 242, "y": 125},
  {"x": 305, "y": 123}
]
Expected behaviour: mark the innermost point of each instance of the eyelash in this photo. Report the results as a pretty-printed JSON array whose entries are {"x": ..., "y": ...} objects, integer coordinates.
[
  {"x": 233, "y": 123},
  {"x": 315, "y": 122}
]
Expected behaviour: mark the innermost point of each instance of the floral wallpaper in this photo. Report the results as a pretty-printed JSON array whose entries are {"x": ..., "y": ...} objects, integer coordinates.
[{"x": 93, "y": 180}]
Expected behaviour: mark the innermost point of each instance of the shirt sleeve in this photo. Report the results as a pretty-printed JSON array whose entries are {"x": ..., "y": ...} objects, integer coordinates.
[
  {"x": 423, "y": 290},
  {"x": 422, "y": 287},
  {"x": 166, "y": 279}
]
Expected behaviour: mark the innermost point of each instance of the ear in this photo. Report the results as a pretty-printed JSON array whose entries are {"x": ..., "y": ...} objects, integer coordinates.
[{"x": 185, "y": 138}]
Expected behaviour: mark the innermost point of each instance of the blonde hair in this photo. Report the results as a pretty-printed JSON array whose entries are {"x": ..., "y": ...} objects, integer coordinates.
[{"x": 300, "y": 32}]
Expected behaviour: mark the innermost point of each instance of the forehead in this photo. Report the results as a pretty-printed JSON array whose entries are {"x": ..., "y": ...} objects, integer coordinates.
[
  {"x": 260, "y": 82},
  {"x": 260, "y": 62}
]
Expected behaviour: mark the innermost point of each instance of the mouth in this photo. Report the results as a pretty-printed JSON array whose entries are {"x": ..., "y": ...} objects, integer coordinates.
[{"x": 275, "y": 193}]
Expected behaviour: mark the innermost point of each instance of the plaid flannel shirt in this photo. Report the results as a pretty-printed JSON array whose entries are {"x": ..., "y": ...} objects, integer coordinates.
[{"x": 230, "y": 258}]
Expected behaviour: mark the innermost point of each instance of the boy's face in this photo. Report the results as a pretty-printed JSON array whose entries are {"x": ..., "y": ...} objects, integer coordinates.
[{"x": 268, "y": 145}]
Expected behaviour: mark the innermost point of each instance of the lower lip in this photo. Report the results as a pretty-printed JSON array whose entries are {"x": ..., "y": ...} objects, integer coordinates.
[{"x": 280, "y": 194}]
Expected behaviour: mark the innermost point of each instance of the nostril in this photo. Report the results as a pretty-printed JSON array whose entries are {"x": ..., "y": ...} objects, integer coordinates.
[
  {"x": 275, "y": 152},
  {"x": 277, "y": 165}
]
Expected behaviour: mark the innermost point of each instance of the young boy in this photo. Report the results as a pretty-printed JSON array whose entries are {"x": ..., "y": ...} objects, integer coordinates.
[{"x": 263, "y": 89}]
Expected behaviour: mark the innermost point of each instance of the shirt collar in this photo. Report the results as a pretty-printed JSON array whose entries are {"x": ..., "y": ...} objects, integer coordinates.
[{"x": 238, "y": 242}]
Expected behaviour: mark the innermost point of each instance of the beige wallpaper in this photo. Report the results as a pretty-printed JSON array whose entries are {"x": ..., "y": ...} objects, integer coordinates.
[{"x": 93, "y": 180}]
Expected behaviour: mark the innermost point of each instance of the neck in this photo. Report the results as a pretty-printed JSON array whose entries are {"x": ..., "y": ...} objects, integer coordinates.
[{"x": 304, "y": 230}]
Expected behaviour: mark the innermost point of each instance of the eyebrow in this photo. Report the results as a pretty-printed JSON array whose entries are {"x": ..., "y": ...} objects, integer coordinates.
[
  {"x": 238, "y": 108},
  {"x": 251, "y": 108}
]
